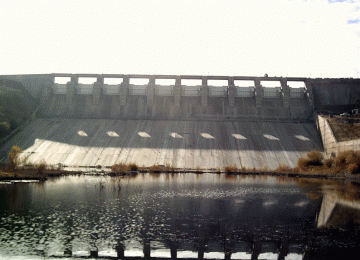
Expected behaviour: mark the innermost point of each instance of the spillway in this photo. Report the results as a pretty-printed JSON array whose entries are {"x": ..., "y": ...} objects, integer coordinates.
[{"x": 178, "y": 143}]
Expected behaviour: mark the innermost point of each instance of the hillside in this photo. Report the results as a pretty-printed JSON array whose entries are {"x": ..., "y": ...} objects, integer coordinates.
[{"x": 16, "y": 105}]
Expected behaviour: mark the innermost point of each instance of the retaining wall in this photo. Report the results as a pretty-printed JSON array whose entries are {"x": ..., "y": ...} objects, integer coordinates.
[{"x": 331, "y": 146}]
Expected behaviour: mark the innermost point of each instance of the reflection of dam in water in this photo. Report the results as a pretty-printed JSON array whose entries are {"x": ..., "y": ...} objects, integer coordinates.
[
  {"x": 196, "y": 249},
  {"x": 163, "y": 216},
  {"x": 338, "y": 211}
]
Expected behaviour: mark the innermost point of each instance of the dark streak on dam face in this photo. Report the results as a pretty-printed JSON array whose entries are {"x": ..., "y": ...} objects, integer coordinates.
[{"x": 249, "y": 126}]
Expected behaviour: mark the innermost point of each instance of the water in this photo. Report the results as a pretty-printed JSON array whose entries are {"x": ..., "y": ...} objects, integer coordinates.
[{"x": 155, "y": 213}]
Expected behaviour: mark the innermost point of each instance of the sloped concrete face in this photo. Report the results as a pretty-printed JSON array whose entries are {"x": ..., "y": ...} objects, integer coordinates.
[{"x": 181, "y": 144}]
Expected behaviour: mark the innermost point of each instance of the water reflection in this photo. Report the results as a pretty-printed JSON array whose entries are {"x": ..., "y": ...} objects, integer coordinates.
[{"x": 205, "y": 216}]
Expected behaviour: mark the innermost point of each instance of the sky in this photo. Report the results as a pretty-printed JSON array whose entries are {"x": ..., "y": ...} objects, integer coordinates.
[{"x": 289, "y": 38}]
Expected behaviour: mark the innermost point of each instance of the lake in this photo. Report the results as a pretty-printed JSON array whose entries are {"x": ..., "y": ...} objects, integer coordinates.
[{"x": 185, "y": 216}]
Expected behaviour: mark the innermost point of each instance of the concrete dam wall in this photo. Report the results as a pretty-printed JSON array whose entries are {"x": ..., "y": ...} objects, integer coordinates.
[
  {"x": 231, "y": 100},
  {"x": 179, "y": 143},
  {"x": 238, "y": 97},
  {"x": 185, "y": 126}
]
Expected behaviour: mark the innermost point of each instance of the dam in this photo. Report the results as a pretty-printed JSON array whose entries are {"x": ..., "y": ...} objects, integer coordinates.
[{"x": 204, "y": 125}]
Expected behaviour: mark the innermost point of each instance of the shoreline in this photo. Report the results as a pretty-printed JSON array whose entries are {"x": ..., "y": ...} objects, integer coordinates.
[{"x": 27, "y": 176}]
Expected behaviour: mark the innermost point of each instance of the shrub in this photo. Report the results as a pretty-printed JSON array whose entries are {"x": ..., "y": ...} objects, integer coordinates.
[
  {"x": 198, "y": 169},
  {"x": 328, "y": 163},
  {"x": 265, "y": 169},
  {"x": 119, "y": 168},
  {"x": 14, "y": 157},
  {"x": 133, "y": 167},
  {"x": 231, "y": 169},
  {"x": 169, "y": 168},
  {"x": 349, "y": 160},
  {"x": 155, "y": 168},
  {"x": 283, "y": 168},
  {"x": 243, "y": 169},
  {"x": 353, "y": 168},
  {"x": 340, "y": 159},
  {"x": 315, "y": 158},
  {"x": 41, "y": 168},
  {"x": 302, "y": 164}
]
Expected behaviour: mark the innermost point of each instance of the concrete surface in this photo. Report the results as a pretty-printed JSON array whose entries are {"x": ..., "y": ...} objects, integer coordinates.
[
  {"x": 182, "y": 144},
  {"x": 331, "y": 146}
]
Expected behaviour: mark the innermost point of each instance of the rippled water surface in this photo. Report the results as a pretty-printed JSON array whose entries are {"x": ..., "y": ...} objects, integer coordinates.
[{"x": 82, "y": 214}]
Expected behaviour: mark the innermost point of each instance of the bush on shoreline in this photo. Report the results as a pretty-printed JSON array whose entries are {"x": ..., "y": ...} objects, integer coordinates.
[
  {"x": 313, "y": 163},
  {"x": 344, "y": 162}
]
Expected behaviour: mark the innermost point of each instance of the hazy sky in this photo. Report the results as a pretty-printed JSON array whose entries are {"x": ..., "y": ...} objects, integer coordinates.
[{"x": 247, "y": 38}]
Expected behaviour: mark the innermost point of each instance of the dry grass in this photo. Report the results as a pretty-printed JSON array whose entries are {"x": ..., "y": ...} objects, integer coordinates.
[
  {"x": 283, "y": 168},
  {"x": 231, "y": 169},
  {"x": 156, "y": 168},
  {"x": 264, "y": 169},
  {"x": 243, "y": 169},
  {"x": 344, "y": 162},
  {"x": 169, "y": 168},
  {"x": 343, "y": 130},
  {"x": 312, "y": 161},
  {"x": 120, "y": 168}
]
